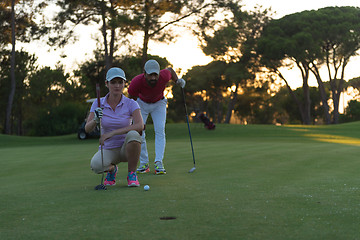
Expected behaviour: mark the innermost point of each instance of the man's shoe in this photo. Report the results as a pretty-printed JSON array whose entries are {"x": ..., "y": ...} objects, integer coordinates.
[
  {"x": 143, "y": 169},
  {"x": 110, "y": 177},
  {"x": 159, "y": 168},
  {"x": 133, "y": 180}
]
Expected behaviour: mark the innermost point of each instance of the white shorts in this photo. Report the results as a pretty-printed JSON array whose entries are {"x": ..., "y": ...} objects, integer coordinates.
[{"x": 113, "y": 156}]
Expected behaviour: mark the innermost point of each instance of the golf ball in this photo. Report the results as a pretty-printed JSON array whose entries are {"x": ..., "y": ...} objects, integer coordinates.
[{"x": 146, "y": 187}]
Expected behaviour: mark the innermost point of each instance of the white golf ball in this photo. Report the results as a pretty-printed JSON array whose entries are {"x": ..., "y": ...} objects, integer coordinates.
[{"x": 146, "y": 187}]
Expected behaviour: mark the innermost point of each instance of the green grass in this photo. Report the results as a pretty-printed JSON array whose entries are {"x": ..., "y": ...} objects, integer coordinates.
[{"x": 251, "y": 182}]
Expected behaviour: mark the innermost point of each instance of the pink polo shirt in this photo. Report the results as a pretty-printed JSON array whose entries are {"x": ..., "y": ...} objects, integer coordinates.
[
  {"x": 140, "y": 88},
  {"x": 112, "y": 120}
]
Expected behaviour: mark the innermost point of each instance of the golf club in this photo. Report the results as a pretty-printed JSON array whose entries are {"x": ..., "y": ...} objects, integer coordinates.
[
  {"x": 187, "y": 121},
  {"x": 101, "y": 186}
]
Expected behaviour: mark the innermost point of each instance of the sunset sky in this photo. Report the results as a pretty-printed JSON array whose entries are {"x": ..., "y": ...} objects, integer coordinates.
[{"x": 184, "y": 53}]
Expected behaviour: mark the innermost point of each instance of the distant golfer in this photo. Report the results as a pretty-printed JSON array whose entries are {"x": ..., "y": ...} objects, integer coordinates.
[
  {"x": 148, "y": 90},
  {"x": 121, "y": 123}
]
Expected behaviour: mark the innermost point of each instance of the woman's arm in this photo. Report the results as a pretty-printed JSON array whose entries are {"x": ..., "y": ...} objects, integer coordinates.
[
  {"x": 90, "y": 123},
  {"x": 138, "y": 125}
]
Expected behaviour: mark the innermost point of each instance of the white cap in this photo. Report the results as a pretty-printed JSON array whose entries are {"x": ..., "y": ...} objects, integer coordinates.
[
  {"x": 152, "y": 66},
  {"x": 114, "y": 73}
]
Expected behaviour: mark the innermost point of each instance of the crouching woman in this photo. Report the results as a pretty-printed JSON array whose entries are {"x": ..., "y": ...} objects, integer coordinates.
[{"x": 121, "y": 122}]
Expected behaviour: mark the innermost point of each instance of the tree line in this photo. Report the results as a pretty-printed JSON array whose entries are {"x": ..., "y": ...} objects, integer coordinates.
[{"x": 249, "y": 51}]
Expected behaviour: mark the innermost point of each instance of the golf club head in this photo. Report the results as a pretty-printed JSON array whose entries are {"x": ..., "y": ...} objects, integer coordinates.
[
  {"x": 100, "y": 187},
  {"x": 192, "y": 170}
]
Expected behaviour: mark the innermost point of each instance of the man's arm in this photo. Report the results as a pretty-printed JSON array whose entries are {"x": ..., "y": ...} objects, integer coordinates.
[
  {"x": 174, "y": 76},
  {"x": 132, "y": 92},
  {"x": 176, "y": 79}
]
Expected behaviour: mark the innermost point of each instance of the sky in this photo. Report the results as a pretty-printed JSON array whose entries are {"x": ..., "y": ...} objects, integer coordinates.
[
  {"x": 185, "y": 53},
  {"x": 185, "y": 58}
]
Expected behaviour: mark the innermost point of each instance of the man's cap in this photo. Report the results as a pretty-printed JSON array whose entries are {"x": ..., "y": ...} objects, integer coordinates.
[
  {"x": 114, "y": 73},
  {"x": 152, "y": 66}
]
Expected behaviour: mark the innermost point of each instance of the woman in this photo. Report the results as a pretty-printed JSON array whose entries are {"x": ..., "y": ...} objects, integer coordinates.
[{"x": 121, "y": 123}]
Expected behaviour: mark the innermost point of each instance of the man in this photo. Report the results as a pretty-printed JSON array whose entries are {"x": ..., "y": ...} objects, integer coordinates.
[{"x": 148, "y": 90}]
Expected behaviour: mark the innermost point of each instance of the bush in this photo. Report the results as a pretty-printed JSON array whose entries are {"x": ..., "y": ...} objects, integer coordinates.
[
  {"x": 352, "y": 112},
  {"x": 60, "y": 120}
]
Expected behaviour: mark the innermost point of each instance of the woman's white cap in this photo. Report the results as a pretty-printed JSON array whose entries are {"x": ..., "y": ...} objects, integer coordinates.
[{"x": 114, "y": 73}]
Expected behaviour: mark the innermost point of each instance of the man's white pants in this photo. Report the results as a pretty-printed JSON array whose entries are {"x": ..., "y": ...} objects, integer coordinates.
[{"x": 158, "y": 114}]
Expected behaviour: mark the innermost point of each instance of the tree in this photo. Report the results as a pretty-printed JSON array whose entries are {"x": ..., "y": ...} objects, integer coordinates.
[
  {"x": 55, "y": 103},
  {"x": 21, "y": 26},
  {"x": 254, "y": 105},
  {"x": 233, "y": 40},
  {"x": 282, "y": 40},
  {"x": 12, "y": 71},
  {"x": 339, "y": 42},
  {"x": 327, "y": 37},
  {"x": 205, "y": 90},
  {"x": 152, "y": 14},
  {"x": 26, "y": 28},
  {"x": 104, "y": 13},
  {"x": 283, "y": 104},
  {"x": 352, "y": 112},
  {"x": 25, "y": 65},
  {"x": 41, "y": 96},
  {"x": 121, "y": 19}
]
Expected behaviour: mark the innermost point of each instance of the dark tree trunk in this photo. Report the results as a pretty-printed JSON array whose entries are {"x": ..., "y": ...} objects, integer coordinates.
[
  {"x": 322, "y": 95},
  {"x": 12, "y": 72},
  {"x": 146, "y": 33},
  {"x": 103, "y": 16}
]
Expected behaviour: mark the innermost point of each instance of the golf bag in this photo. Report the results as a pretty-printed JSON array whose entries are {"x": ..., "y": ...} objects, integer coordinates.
[{"x": 207, "y": 123}]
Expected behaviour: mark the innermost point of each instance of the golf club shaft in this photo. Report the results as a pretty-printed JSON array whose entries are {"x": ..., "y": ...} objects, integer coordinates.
[
  {"x": 101, "y": 147},
  {"x": 102, "y": 156},
  {"x": 187, "y": 121}
]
